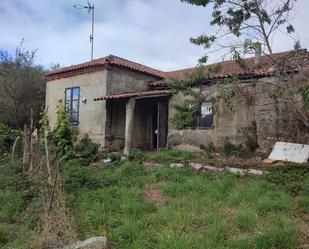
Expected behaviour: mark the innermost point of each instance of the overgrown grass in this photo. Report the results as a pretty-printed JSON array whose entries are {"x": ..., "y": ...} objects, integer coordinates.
[
  {"x": 20, "y": 203},
  {"x": 167, "y": 156},
  {"x": 202, "y": 210}
]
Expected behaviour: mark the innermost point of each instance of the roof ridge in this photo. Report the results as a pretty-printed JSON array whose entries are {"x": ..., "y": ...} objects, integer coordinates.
[
  {"x": 304, "y": 50},
  {"x": 131, "y": 61},
  {"x": 111, "y": 60}
]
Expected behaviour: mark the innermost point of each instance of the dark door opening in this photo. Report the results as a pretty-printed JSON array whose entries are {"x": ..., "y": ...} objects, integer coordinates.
[{"x": 154, "y": 126}]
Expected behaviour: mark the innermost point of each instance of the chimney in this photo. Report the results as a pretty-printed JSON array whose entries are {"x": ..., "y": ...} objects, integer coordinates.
[{"x": 258, "y": 53}]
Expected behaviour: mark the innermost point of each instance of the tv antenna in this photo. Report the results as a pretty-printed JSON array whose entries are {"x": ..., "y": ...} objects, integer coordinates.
[{"x": 90, "y": 8}]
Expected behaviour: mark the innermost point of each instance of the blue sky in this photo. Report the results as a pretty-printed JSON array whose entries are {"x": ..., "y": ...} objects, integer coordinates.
[{"x": 153, "y": 32}]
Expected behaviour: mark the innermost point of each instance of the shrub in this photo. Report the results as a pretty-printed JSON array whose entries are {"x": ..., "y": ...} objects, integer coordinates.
[
  {"x": 7, "y": 137},
  {"x": 87, "y": 150},
  {"x": 230, "y": 149},
  {"x": 245, "y": 220},
  {"x": 63, "y": 135},
  {"x": 292, "y": 177},
  {"x": 136, "y": 155}
]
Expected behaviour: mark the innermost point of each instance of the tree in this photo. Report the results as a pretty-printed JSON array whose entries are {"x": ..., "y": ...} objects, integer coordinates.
[
  {"x": 244, "y": 27},
  {"x": 243, "y": 23},
  {"x": 22, "y": 87}
]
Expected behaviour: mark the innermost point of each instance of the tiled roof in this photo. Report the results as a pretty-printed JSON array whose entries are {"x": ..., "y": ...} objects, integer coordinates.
[
  {"x": 134, "y": 94},
  {"x": 230, "y": 67},
  {"x": 106, "y": 61}
]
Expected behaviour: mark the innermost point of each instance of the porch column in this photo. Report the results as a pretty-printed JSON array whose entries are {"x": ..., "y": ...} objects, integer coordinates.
[{"x": 130, "y": 106}]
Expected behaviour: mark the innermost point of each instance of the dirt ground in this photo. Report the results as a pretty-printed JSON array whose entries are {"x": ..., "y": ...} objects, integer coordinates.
[{"x": 152, "y": 195}]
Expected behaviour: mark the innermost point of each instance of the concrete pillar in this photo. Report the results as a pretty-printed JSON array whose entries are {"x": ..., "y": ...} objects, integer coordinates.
[{"x": 130, "y": 106}]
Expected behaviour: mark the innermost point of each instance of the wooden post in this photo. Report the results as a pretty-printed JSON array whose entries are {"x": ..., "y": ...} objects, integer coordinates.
[
  {"x": 14, "y": 148},
  {"x": 51, "y": 158},
  {"x": 26, "y": 143},
  {"x": 34, "y": 150}
]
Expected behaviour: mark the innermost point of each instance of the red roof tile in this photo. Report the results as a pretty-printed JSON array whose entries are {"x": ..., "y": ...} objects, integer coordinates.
[
  {"x": 230, "y": 67},
  {"x": 109, "y": 60},
  {"x": 134, "y": 94}
]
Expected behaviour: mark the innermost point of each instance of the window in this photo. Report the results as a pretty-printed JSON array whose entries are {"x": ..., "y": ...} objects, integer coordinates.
[
  {"x": 205, "y": 121},
  {"x": 72, "y": 104}
]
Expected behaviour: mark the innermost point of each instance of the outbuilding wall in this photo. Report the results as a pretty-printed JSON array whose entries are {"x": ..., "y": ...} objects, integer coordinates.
[{"x": 273, "y": 119}]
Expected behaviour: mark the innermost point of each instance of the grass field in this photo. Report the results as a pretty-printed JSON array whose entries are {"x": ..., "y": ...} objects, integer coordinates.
[{"x": 164, "y": 208}]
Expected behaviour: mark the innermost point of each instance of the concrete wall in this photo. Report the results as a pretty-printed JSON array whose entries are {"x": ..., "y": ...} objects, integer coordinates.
[
  {"x": 91, "y": 114},
  {"x": 100, "y": 124},
  {"x": 123, "y": 81}
]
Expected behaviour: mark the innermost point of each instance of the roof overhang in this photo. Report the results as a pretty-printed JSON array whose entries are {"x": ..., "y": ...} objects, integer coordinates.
[{"x": 137, "y": 95}]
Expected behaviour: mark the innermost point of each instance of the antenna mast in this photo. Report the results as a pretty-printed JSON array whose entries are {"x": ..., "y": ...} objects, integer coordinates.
[{"x": 90, "y": 8}]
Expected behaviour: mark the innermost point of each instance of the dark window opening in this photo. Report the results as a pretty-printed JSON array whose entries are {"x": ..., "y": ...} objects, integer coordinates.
[
  {"x": 72, "y": 104},
  {"x": 206, "y": 119}
]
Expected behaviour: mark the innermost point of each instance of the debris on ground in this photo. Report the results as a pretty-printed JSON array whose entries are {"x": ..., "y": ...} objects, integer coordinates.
[
  {"x": 176, "y": 165},
  {"x": 150, "y": 166},
  {"x": 269, "y": 161},
  {"x": 151, "y": 194}
]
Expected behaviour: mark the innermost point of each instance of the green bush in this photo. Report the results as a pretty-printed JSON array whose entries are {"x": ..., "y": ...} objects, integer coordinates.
[
  {"x": 293, "y": 177},
  {"x": 87, "y": 150},
  {"x": 7, "y": 137},
  {"x": 230, "y": 149},
  {"x": 63, "y": 135},
  {"x": 136, "y": 155}
]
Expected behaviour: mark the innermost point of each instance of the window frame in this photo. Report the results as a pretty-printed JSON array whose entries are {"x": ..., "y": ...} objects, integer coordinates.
[
  {"x": 210, "y": 116},
  {"x": 69, "y": 109}
]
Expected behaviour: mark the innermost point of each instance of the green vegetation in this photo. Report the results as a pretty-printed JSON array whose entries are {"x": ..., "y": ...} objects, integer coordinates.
[
  {"x": 20, "y": 205},
  {"x": 7, "y": 138},
  {"x": 167, "y": 156},
  {"x": 293, "y": 177},
  {"x": 202, "y": 210}
]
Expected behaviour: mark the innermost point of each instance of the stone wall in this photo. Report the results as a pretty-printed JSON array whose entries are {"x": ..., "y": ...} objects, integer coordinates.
[{"x": 276, "y": 120}]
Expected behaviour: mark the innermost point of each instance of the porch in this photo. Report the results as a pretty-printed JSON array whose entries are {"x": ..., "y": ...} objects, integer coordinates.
[{"x": 136, "y": 120}]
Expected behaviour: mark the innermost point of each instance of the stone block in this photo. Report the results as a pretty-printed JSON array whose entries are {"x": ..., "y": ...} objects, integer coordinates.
[{"x": 91, "y": 243}]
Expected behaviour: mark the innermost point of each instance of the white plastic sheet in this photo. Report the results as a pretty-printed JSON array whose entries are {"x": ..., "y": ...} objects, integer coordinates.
[{"x": 291, "y": 152}]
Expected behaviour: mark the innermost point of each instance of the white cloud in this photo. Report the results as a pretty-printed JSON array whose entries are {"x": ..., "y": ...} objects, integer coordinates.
[{"x": 153, "y": 32}]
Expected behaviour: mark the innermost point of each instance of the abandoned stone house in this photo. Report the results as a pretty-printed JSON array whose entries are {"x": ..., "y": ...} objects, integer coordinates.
[{"x": 122, "y": 104}]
